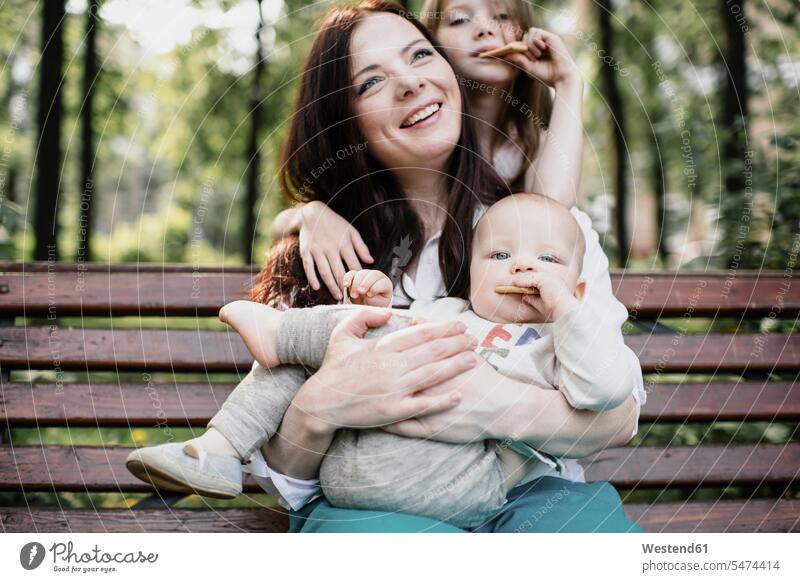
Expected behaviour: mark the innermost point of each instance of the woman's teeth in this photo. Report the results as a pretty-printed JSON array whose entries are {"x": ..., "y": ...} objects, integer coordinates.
[{"x": 420, "y": 115}]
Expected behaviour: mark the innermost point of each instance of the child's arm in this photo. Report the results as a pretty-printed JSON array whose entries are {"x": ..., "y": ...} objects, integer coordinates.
[
  {"x": 556, "y": 170},
  {"x": 592, "y": 366}
]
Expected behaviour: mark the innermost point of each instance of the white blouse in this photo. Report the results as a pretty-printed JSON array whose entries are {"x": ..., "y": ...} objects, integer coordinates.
[{"x": 428, "y": 284}]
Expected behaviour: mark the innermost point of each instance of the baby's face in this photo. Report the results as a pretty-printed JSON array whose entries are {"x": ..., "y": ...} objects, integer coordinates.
[{"x": 517, "y": 235}]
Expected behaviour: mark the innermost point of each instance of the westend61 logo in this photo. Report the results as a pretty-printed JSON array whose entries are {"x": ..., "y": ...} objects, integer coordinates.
[{"x": 65, "y": 559}]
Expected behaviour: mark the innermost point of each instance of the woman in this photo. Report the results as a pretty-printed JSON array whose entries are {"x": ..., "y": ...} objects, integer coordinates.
[{"x": 374, "y": 77}]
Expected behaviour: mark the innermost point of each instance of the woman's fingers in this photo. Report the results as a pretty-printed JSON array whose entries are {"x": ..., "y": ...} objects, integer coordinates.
[
  {"x": 310, "y": 269},
  {"x": 424, "y": 404},
  {"x": 325, "y": 273},
  {"x": 435, "y": 373},
  {"x": 337, "y": 267},
  {"x": 412, "y": 336},
  {"x": 357, "y": 325},
  {"x": 360, "y": 247},
  {"x": 438, "y": 349},
  {"x": 350, "y": 259}
]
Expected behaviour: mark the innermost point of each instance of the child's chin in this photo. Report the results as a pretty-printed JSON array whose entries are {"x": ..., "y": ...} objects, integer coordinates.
[{"x": 527, "y": 314}]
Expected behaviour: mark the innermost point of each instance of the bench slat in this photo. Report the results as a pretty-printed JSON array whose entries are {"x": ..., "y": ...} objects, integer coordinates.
[
  {"x": 152, "y": 289},
  {"x": 754, "y": 515},
  {"x": 41, "y": 520},
  {"x": 130, "y": 404},
  {"x": 37, "y": 347},
  {"x": 85, "y": 468},
  {"x": 687, "y": 466},
  {"x": 757, "y": 515}
]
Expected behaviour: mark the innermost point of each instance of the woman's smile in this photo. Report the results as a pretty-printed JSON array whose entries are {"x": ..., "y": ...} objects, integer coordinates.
[{"x": 423, "y": 116}]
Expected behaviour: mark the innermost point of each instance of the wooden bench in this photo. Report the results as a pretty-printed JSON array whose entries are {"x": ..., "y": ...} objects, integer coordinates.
[{"x": 691, "y": 377}]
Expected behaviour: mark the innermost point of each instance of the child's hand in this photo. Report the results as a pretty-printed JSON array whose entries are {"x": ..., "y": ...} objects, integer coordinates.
[
  {"x": 547, "y": 58},
  {"x": 555, "y": 298},
  {"x": 369, "y": 287}
]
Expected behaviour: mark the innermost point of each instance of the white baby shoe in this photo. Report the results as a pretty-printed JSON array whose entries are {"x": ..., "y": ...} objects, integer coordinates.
[{"x": 169, "y": 467}]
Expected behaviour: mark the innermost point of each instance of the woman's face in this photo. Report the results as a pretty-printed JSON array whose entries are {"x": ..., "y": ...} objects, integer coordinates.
[
  {"x": 470, "y": 27},
  {"x": 406, "y": 96}
]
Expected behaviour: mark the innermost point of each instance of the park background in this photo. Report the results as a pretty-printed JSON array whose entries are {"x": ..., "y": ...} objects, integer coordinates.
[{"x": 148, "y": 131}]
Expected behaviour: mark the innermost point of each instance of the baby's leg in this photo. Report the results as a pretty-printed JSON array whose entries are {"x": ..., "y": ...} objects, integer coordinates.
[
  {"x": 257, "y": 324},
  {"x": 304, "y": 333},
  {"x": 251, "y": 414},
  {"x": 462, "y": 484}
]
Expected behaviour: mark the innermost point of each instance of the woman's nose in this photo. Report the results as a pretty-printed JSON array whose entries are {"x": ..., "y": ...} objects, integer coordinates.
[{"x": 409, "y": 85}]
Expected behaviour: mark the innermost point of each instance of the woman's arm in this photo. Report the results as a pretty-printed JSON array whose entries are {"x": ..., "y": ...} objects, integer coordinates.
[
  {"x": 286, "y": 222},
  {"x": 517, "y": 410}
]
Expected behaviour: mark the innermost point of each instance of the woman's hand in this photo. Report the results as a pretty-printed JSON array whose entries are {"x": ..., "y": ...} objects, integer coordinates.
[
  {"x": 327, "y": 241},
  {"x": 547, "y": 58},
  {"x": 479, "y": 415},
  {"x": 373, "y": 382}
]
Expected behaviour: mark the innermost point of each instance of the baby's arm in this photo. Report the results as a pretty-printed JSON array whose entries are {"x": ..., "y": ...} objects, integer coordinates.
[{"x": 592, "y": 367}]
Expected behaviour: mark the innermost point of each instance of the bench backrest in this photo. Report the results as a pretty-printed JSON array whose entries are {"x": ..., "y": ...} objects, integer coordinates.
[{"x": 692, "y": 374}]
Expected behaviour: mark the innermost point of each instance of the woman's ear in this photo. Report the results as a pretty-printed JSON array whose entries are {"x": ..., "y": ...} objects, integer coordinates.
[{"x": 580, "y": 289}]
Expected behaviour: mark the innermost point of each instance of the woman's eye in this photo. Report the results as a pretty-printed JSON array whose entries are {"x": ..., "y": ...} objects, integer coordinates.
[
  {"x": 421, "y": 54},
  {"x": 368, "y": 84},
  {"x": 501, "y": 256},
  {"x": 456, "y": 20},
  {"x": 549, "y": 259}
]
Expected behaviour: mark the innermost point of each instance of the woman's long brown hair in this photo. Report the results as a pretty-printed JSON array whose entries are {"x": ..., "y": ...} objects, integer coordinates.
[
  {"x": 326, "y": 157},
  {"x": 528, "y": 123}
]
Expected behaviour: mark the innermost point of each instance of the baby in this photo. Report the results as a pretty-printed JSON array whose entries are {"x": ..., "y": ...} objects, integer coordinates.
[{"x": 524, "y": 309}]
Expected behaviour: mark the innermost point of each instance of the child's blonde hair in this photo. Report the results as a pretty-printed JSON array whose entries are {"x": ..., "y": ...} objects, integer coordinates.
[{"x": 529, "y": 122}]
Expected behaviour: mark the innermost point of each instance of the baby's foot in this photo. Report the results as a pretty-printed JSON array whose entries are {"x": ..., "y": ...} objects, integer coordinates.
[
  {"x": 211, "y": 441},
  {"x": 258, "y": 325}
]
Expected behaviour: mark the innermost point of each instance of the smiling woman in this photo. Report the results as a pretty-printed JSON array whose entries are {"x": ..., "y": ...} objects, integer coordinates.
[{"x": 374, "y": 76}]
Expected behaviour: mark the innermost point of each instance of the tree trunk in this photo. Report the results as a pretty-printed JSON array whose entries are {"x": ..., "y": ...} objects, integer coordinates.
[
  {"x": 736, "y": 158},
  {"x": 253, "y": 150},
  {"x": 87, "y": 136},
  {"x": 619, "y": 158},
  {"x": 659, "y": 191},
  {"x": 48, "y": 156}
]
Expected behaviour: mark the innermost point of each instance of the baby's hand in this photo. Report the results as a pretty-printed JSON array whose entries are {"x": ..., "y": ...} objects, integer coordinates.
[
  {"x": 554, "y": 299},
  {"x": 369, "y": 287}
]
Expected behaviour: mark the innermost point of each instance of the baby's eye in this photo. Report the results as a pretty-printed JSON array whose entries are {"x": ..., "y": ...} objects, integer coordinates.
[
  {"x": 500, "y": 256},
  {"x": 503, "y": 16},
  {"x": 368, "y": 84},
  {"x": 549, "y": 259},
  {"x": 421, "y": 54}
]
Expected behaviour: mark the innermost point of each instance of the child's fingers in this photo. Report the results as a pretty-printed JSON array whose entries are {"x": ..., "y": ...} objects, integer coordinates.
[
  {"x": 368, "y": 280},
  {"x": 347, "y": 281}
]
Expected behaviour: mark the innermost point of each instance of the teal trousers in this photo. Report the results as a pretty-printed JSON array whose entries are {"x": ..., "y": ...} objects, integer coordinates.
[{"x": 546, "y": 505}]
